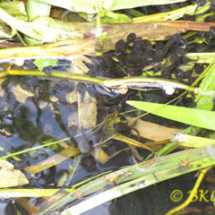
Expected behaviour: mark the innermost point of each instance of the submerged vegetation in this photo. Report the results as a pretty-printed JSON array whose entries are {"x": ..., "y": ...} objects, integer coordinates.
[{"x": 85, "y": 82}]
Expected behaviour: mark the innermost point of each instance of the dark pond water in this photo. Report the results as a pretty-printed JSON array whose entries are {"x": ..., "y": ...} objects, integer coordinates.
[{"x": 32, "y": 117}]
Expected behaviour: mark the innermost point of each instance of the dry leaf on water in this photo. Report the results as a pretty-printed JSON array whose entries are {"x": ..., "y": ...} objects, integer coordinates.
[
  {"x": 86, "y": 114},
  {"x": 10, "y": 177},
  {"x": 21, "y": 95},
  {"x": 147, "y": 130}
]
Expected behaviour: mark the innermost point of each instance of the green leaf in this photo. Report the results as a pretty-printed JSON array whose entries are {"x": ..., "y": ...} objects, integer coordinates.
[
  {"x": 15, "y": 9},
  {"x": 36, "y": 8},
  {"x": 89, "y": 6},
  {"x": 206, "y": 93},
  {"x": 41, "y": 63},
  {"x": 195, "y": 117},
  {"x": 45, "y": 29}
]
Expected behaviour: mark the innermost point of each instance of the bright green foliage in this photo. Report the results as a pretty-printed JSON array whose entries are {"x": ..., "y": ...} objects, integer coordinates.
[
  {"x": 89, "y": 6},
  {"x": 190, "y": 116},
  {"x": 41, "y": 63},
  {"x": 206, "y": 90},
  {"x": 111, "y": 17}
]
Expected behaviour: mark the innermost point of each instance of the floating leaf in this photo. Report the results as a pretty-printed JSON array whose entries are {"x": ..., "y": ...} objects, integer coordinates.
[
  {"x": 41, "y": 63},
  {"x": 100, "y": 155},
  {"x": 87, "y": 111},
  {"x": 10, "y": 177},
  {"x": 21, "y": 94},
  {"x": 86, "y": 114},
  {"x": 147, "y": 130},
  {"x": 190, "y": 116}
]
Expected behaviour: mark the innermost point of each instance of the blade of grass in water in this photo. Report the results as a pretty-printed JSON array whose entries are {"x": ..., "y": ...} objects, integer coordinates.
[
  {"x": 190, "y": 116},
  {"x": 34, "y": 148},
  {"x": 164, "y": 168}
]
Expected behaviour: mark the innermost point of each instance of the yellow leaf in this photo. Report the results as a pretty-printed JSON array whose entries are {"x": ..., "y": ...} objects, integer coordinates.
[
  {"x": 147, "y": 130},
  {"x": 10, "y": 177},
  {"x": 21, "y": 95}
]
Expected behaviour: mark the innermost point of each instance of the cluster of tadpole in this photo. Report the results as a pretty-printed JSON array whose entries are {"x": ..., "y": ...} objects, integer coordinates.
[{"x": 136, "y": 56}]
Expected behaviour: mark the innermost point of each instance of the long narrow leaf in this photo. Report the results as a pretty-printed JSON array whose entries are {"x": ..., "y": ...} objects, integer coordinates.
[
  {"x": 164, "y": 168},
  {"x": 89, "y": 6},
  {"x": 190, "y": 116},
  {"x": 15, "y": 9},
  {"x": 205, "y": 97}
]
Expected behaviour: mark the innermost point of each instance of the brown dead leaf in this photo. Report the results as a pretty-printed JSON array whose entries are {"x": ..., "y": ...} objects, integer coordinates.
[
  {"x": 25, "y": 203},
  {"x": 150, "y": 130},
  {"x": 63, "y": 49},
  {"x": 86, "y": 115},
  {"x": 88, "y": 112},
  {"x": 21, "y": 95},
  {"x": 79, "y": 61}
]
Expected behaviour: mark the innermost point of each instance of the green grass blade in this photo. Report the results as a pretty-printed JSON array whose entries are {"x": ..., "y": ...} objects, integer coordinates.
[
  {"x": 89, "y": 6},
  {"x": 174, "y": 14},
  {"x": 192, "y": 141},
  {"x": 205, "y": 97},
  {"x": 36, "y": 8},
  {"x": 33, "y": 148},
  {"x": 164, "y": 168},
  {"x": 194, "y": 117}
]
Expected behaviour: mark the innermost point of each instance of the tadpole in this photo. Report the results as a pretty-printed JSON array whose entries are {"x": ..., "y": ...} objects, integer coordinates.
[
  {"x": 120, "y": 45},
  {"x": 131, "y": 37}
]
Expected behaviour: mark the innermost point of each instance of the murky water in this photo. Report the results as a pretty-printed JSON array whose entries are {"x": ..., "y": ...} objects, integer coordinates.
[{"x": 41, "y": 112}]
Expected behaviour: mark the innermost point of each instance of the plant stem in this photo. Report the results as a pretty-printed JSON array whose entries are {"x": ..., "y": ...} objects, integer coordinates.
[
  {"x": 147, "y": 82},
  {"x": 11, "y": 72},
  {"x": 110, "y": 83},
  {"x": 193, "y": 192}
]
